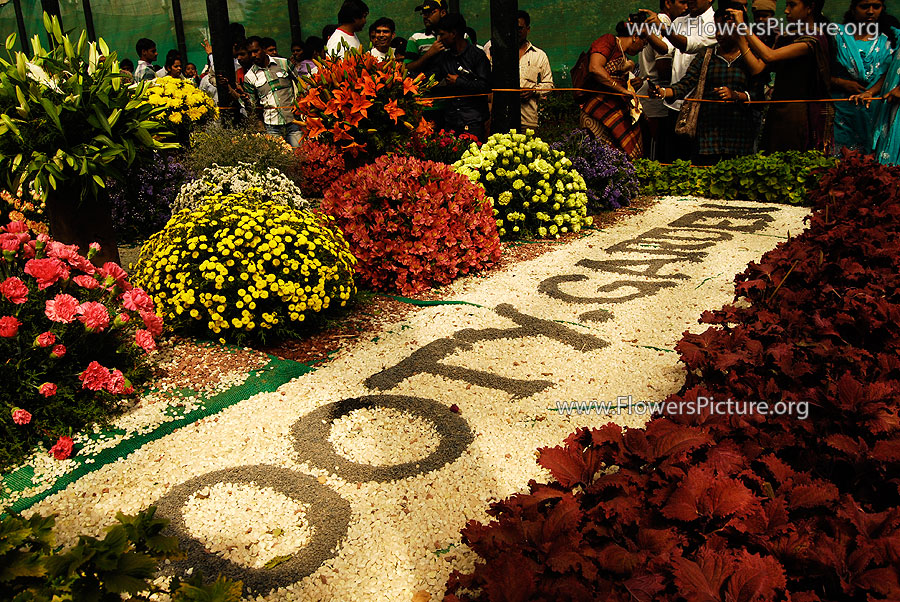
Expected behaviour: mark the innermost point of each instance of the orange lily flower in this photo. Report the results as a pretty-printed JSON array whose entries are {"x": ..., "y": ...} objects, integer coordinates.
[{"x": 393, "y": 110}]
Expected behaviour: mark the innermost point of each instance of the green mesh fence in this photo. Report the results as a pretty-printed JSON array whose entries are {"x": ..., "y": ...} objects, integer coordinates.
[{"x": 563, "y": 28}]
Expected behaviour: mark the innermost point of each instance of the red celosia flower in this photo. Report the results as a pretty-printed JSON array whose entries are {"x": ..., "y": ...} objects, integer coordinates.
[
  {"x": 63, "y": 448},
  {"x": 94, "y": 377},
  {"x": 47, "y": 389},
  {"x": 145, "y": 339},
  {"x": 21, "y": 417},
  {"x": 94, "y": 315},
  {"x": 62, "y": 308},
  {"x": 45, "y": 339},
  {"x": 46, "y": 271},
  {"x": 9, "y": 326},
  {"x": 14, "y": 290}
]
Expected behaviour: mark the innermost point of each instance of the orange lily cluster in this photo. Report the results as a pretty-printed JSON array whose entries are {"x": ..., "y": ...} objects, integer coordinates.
[{"x": 358, "y": 102}]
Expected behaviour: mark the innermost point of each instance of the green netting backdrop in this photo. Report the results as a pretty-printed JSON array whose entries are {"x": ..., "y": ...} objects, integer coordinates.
[{"x": 563, "y": 28}]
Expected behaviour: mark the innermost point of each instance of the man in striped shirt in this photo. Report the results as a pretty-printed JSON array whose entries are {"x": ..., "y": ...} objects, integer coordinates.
[
  {"x": 423, "y": 46},
  {"x": 271, "y": 85}
]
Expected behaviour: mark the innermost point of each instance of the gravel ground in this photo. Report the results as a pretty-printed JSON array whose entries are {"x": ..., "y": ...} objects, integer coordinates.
[{"x": 463, "y": 395}]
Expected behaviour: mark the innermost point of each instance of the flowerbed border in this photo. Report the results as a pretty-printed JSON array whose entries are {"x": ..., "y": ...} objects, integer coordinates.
[{"x": 263, "y": 380}]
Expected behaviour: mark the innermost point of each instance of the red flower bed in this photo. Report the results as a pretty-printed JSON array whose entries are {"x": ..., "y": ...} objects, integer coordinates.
[
  {"x": 320, "y": 165},
  {"x": 718, "y": 507},
  {"x": 413, "y": 224}
]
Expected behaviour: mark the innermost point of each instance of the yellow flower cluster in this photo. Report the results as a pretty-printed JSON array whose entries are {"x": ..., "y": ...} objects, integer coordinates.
[
  {"x": 183, "y": 103},
  {"x": 238, "y": 267}
]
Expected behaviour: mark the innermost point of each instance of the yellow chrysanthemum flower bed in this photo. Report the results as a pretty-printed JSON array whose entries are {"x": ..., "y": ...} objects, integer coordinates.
[
  {"x": 239, "y": 268},
  {"x": 185, "y": 104}
]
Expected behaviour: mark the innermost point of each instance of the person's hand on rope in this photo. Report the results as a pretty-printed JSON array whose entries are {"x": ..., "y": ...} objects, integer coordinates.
[
  {"x": 727, "y": 94},
  {"x": 850, "y": 86},
  {"x": 863, "y": 98}
]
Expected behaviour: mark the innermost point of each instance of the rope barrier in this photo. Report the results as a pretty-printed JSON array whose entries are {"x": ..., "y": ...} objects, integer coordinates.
[{"x": 610, "y": 93}]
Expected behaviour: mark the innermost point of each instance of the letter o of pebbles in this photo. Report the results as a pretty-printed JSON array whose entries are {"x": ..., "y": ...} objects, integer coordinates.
[
  {"x": 329, "y": 517},
  {"x": 310, "y": 435}
]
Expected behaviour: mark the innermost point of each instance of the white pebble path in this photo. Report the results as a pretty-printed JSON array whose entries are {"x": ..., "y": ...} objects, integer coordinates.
[{"x": 403, "y": 539}]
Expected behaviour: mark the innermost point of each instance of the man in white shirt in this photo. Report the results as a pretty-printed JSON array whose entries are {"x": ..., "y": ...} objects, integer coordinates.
[
  {"x": 688, "y": 34},
  {"x": 351, "y": 19},
  {"x": 534, "y": 72},
  {"x": 382, "y": 34},
  {"x": 146, "y": 51}
]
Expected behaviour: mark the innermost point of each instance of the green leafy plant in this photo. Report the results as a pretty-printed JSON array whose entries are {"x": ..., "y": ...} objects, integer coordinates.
[
  {"x": 534, "y": 189},
  {"x": 224, "y": 146},
  {"x": 239, "y": 268},
  {"x": 775, "y": 178},
  {"x": 67, "y": 116},
  {"x": 122, "y": 563}
]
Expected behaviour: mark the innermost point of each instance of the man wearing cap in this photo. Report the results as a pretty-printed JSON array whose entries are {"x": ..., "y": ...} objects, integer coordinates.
[{"x": 423, "y": 46}]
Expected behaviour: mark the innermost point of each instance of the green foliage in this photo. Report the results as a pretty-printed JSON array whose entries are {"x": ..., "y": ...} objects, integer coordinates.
[
  {"x": 224, "y": 146},
  {"x": 68, "y": 117},
  {"x": 775, "y": 178},
  {"x": 123, "y": 562}
]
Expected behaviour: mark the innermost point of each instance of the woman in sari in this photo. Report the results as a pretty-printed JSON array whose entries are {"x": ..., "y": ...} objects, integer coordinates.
[
  {"x": 861, "y": 60},
  {"x": 802, "y": 72},
  {"x": 613, "y": 119}
]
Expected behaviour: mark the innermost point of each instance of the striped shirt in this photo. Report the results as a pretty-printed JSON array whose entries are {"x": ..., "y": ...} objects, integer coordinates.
[
  {"x": 144, "y": 71},
  {"x": 272, "y": 87}
]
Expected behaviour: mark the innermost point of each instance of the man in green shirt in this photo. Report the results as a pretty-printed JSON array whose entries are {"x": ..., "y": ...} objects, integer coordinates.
[{"x": 423, "y": 46}]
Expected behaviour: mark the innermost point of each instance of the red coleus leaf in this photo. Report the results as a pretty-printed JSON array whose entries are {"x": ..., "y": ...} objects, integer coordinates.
[
  {"x": 755, "y": 578},
  {"x": 511, "y": 578}
]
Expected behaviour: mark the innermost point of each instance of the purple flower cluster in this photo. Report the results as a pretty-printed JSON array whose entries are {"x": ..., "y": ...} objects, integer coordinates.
[
  {"x": 610, "y": 177},
  {"x": 141, "y": 202}
]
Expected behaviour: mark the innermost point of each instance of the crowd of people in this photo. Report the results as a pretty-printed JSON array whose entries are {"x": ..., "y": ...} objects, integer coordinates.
[
  {"x": 726, "y": 57},
  {"x": 266, "y": 84},
  {"x": 737, "y": 54}
]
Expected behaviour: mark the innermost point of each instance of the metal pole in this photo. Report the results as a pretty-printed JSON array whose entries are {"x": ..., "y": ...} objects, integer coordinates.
[
  {"x": 223, "y": 57},
  {"x": 20, "y": 22},
  {"x": 179, "y": 32},
  {"x": 89, "y": 20},
  {"x": 506, "y": 114},
  {"x": 294, "y": 16}
]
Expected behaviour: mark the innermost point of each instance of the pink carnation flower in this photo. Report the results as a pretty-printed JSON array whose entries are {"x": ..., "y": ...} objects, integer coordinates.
[
  {"x": 88, "y": 282},
  {"x": 9, "y": 326},
  {"x": 62, "y": 308},
  {"x": 14, "y": 290},
  {"x": 94, "y": 246},
  {"x": 63, "y": 448},
  {"x": 94, "y": 377},
  {"x": 47, "y": 390},
  {"x": 94, "y": 315},
  {"x": 113, "y": 272},
  {"x": 15, "y": 227},
  {"x": 145, "y": 340},
  {"x": 116, "y": 382},
  {"x": 21, "y": 417},
  {"x": 137, "y": 300},
  {"x": 153, "y": 322},
  {"x": 58, "y": 351},
  {"x": 45, "y": 339},
  {"x": 46, "y": 271}
]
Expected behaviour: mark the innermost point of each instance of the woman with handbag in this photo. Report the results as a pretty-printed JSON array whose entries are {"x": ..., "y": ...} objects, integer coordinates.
[
  {"x": 614, "y": 119},
  {"x": 722, "y": 129},
  {"x": 800, "y": 60}
]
